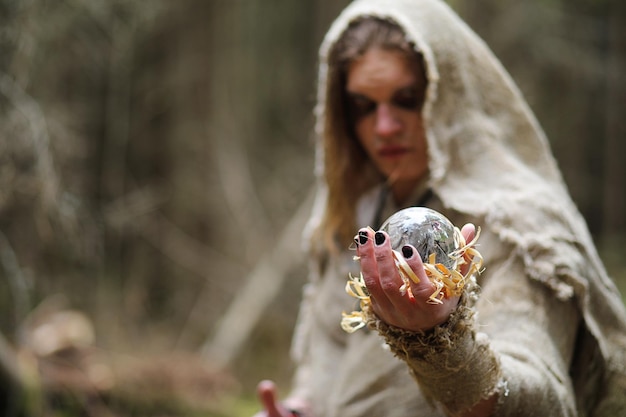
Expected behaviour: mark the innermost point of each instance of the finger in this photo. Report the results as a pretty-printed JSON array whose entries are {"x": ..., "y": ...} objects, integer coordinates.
[
  {"x": 365, "y": 251},
  {"x": 389, "y": 277},
  {"x": 469, "y": 232},
  {"x": 423, "y": 289},
  {"x": 369, "y": 268},
  {"x": 266, "y": 391}
]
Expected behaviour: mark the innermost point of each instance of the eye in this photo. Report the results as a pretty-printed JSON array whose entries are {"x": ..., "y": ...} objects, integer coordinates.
[
  {"x": 409, "y": 98},
  {"x": 359, "y": 106}
]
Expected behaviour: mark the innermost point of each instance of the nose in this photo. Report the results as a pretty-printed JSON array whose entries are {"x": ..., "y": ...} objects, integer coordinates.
[{"x": 387, "y": 123}]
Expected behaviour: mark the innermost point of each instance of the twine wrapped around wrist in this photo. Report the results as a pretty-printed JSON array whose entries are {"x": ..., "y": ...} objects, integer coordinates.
[
  {"x": 407, "y": 344},
  {"x": 452, "y": 363}
]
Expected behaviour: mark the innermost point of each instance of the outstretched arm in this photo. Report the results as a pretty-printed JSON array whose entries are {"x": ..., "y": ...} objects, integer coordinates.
[{"x": 517, "y": 362}]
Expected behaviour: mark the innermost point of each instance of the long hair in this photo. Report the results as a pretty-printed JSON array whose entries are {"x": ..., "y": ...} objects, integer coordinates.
[{"x": 348, "y": 171}]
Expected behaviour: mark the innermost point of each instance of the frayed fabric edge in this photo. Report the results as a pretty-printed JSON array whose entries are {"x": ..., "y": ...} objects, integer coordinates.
[{"x": 438, "y": 356}]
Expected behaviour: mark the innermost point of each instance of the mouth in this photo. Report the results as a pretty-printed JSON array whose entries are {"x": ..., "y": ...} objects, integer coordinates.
[{"x": 393, "y": 151}]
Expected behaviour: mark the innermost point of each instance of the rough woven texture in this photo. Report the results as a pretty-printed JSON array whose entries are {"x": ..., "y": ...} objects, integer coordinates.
[
  {"x": 451, "y": 350},
  {"x": 489, "y": 163}
]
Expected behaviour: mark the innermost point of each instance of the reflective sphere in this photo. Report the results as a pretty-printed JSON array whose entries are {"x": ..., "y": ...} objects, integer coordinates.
[{"x": 427, "y": 230}]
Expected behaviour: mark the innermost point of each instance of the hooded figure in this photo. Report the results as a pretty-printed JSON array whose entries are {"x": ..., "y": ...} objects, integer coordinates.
[{"x": 546, "y": 335}]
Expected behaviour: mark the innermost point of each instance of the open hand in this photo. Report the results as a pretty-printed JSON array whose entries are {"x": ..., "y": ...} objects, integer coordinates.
[{"x": 383, "y": 282}]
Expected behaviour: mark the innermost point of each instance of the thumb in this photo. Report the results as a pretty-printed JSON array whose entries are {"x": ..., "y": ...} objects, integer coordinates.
[
  {"x": 468, "y": 231},
  {"x": 266, "y": 390}
]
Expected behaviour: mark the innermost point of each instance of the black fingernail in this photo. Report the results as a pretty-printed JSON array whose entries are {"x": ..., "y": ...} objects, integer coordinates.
[
  {"x": 379, "y": 238},
  {"x": 407, "y": 252},
  {"x": 362, "y": 237}
]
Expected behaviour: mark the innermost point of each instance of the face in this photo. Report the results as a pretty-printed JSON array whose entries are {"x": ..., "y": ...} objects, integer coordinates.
[{"x": 385, "y": 95}]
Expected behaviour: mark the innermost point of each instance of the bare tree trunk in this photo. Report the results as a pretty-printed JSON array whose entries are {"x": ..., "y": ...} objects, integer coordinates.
[{"x": 614, "y": 203}]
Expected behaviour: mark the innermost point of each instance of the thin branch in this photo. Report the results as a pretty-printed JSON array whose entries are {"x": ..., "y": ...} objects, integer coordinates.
[
  {"x": 139, "y": 210},
  {"x": 32, "y": 112}
]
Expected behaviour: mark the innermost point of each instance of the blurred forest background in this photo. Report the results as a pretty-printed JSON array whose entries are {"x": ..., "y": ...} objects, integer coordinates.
[{"x": 156, "y": 163}]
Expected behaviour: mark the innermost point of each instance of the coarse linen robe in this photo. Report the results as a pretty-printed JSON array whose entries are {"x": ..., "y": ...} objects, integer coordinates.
[{"x": 547, "y": 333}]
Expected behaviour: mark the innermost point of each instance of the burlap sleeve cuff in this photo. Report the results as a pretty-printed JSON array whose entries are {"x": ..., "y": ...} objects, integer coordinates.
[{"x": 452, "y": 363}]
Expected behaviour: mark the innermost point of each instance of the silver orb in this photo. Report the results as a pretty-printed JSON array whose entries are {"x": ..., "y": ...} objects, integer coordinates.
[{"x": 427, "y": 230}]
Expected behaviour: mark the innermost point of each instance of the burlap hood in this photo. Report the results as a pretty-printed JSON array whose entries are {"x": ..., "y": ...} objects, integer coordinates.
[{"x": 490, "y": 159}]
